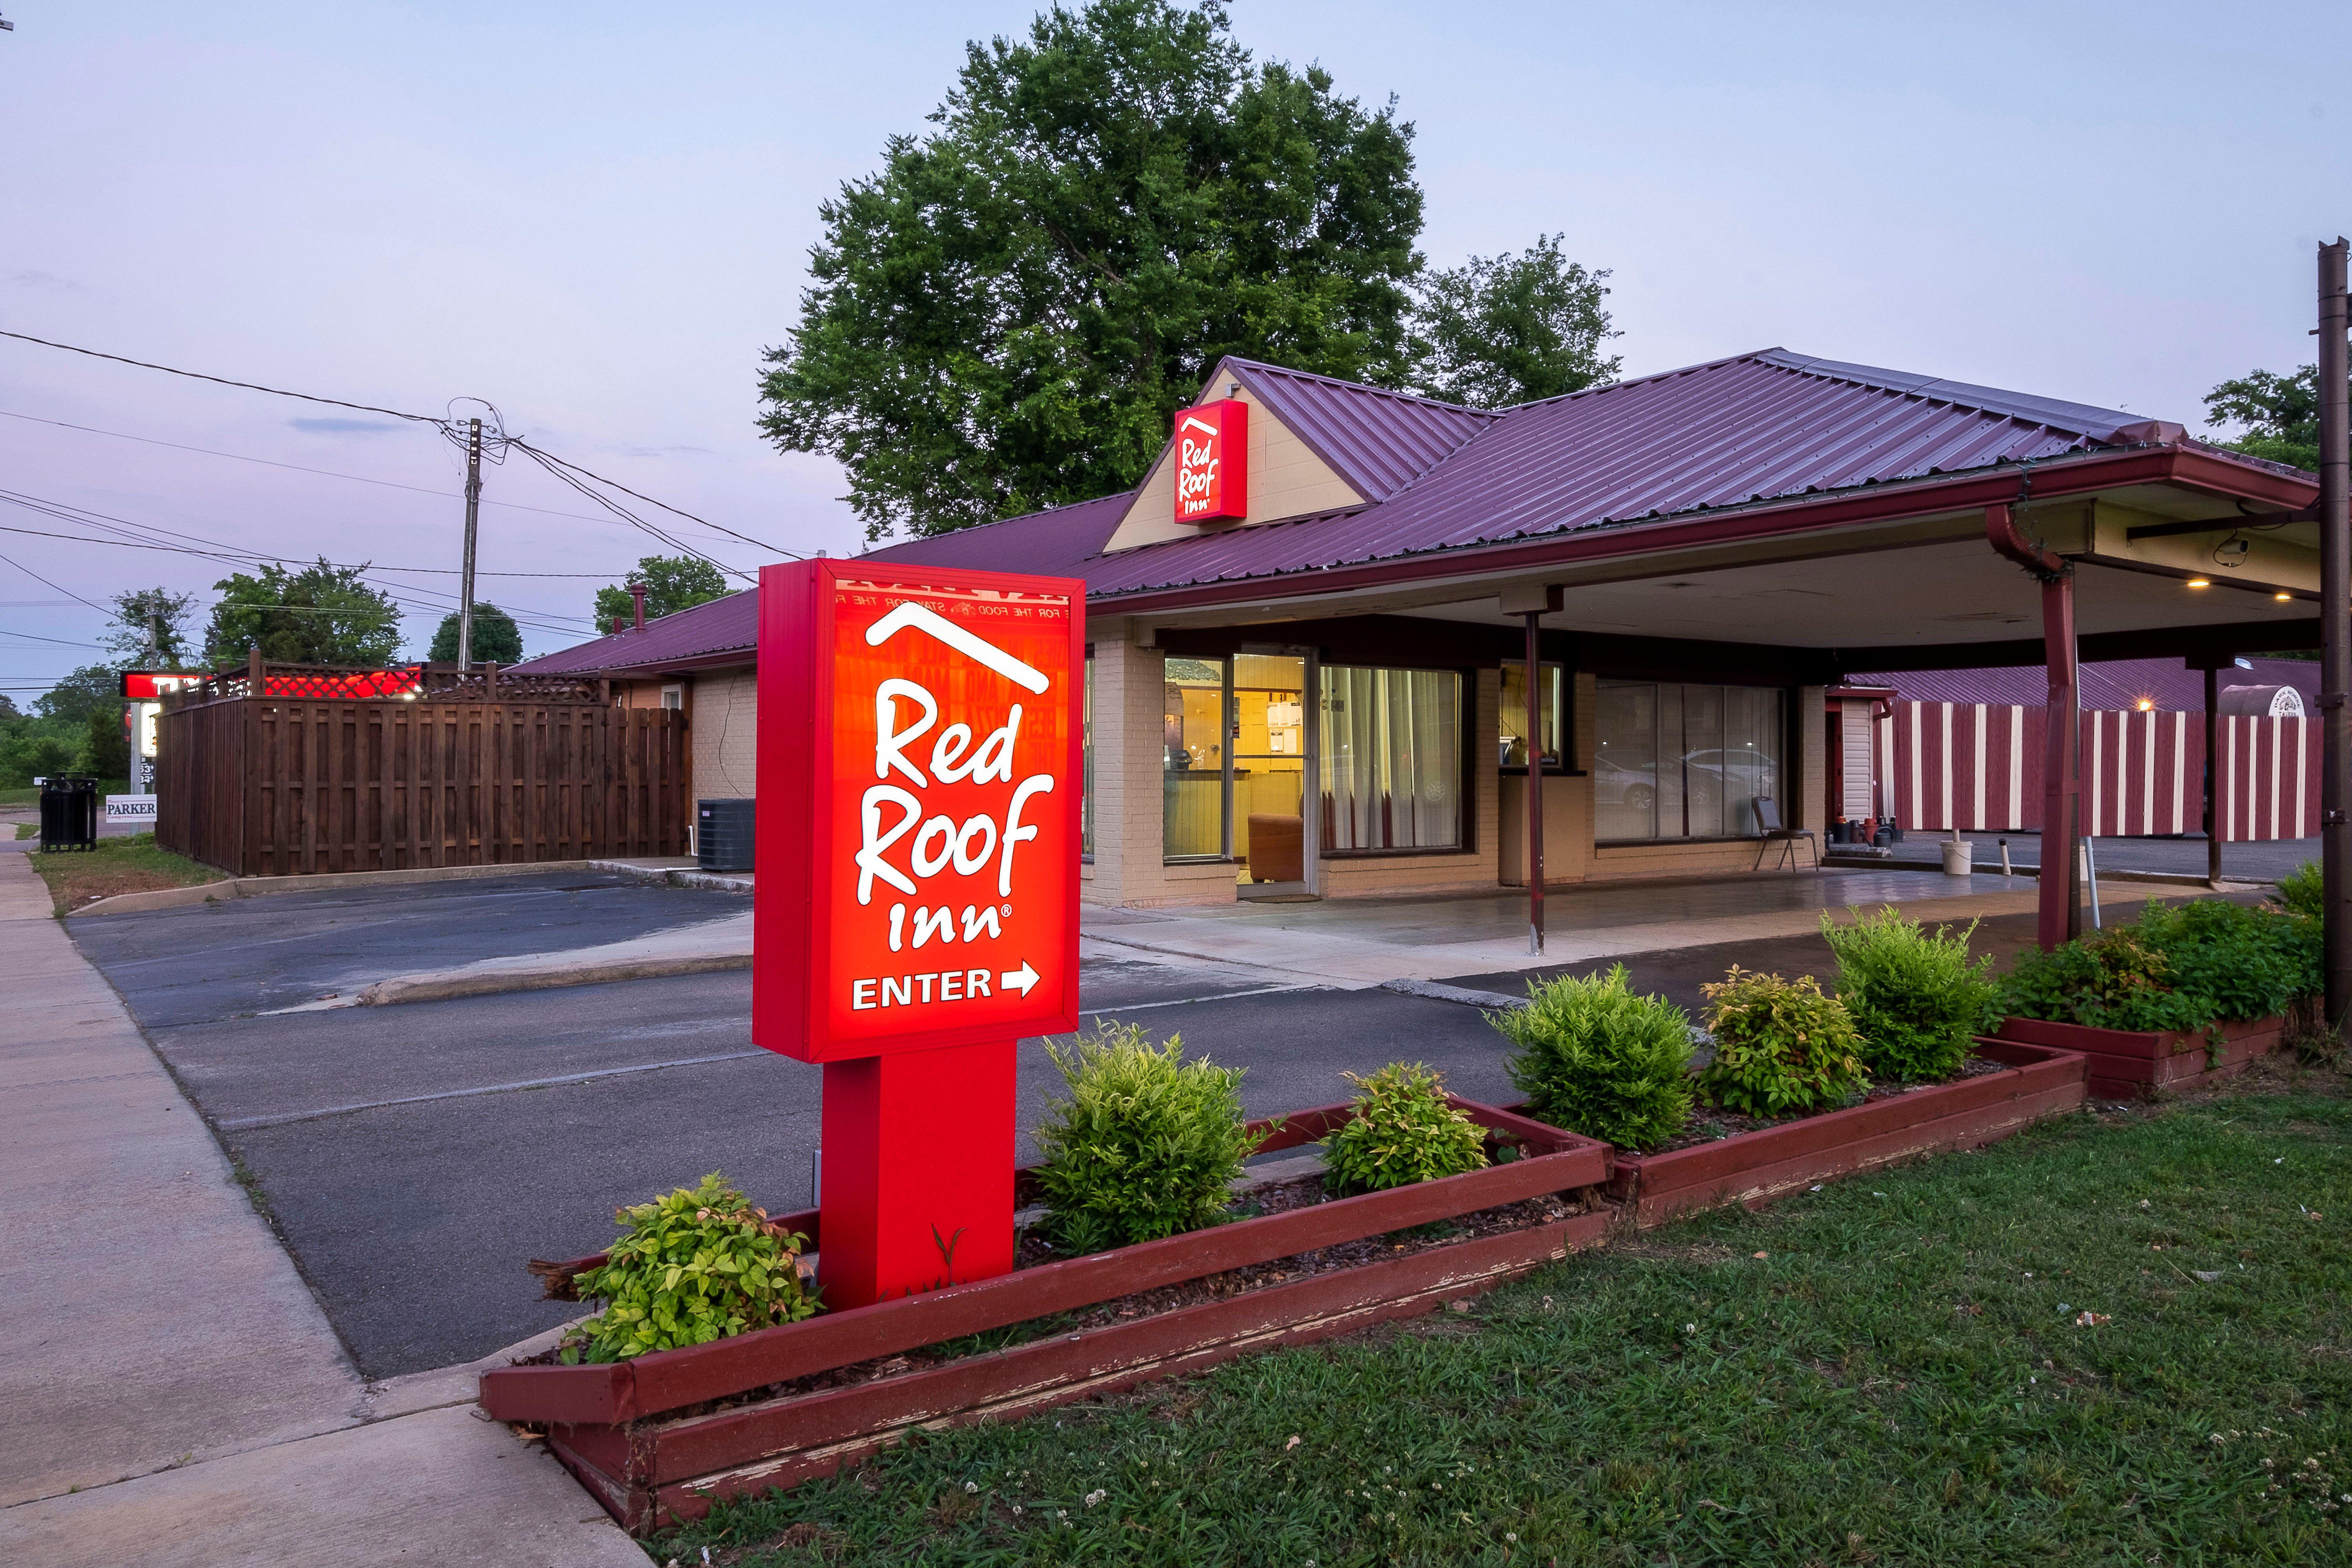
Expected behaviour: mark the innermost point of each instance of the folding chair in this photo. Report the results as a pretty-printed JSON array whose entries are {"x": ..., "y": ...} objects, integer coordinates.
[{"x": 1768, "y": 819}]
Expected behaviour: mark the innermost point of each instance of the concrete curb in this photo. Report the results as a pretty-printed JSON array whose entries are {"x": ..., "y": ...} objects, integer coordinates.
[
  {"x": 434, "y": 988},
  {"x": 1435, "y": 992},
  {"x": 259, "y": 886},
  {"x": 2165, "y": 878}
]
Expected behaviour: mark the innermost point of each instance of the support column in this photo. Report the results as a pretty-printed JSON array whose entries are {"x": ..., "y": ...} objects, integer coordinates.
[
  {"x": 2061, "y": 892},
  {"x": 1535, "y": 783},
  {"x": 2336, "y": 654},
  {"x": 917, "y": 1177},
  {"x": 2212, "y": 776}
]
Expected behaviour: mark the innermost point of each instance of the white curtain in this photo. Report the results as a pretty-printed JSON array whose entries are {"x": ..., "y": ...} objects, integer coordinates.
[{"x": 1392, "y": 758}]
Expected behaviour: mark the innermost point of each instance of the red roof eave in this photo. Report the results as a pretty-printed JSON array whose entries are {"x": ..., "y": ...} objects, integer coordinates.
[{"x": 2191, "y": 468}]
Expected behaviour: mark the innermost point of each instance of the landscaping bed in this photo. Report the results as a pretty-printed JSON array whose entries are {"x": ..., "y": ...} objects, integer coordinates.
[
  {"x": 658, "y": 1438},
  {"x": 2009, "y": 1086},
  {"x": 128, "y": 865},
  {"x": 2124, "y": 1063}
]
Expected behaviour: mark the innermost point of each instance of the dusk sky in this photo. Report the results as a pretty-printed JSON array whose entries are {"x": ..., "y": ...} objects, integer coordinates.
[{"x": 597, "y": 215}]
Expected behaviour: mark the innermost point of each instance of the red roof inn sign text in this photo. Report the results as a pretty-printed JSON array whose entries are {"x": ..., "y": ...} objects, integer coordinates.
[
  {"x": 916, "y": 897},
  {"x": 1213, "y": 462}
]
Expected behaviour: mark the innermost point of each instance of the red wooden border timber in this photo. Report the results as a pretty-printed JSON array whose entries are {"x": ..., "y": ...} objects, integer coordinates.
[
  {"x": 2130, "y": 1062},
  {"x": 1755, "y": 1167},
  {"x": 606, "y": 1421}
]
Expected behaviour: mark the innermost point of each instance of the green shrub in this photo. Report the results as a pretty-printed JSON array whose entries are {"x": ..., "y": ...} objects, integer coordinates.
[
  {"x": 1403, "y": 1132},
  {"x": 696, "y": 1266},
  {"x": 1146, "y": 1145},
  {"x": 2299, "y": 890},
  {"x": 1782, "y": 1047},
  {"x": 2181, "y": 966},
  {"x": 1916, "y": 999},
  {"x": 1598, "y": 1060}
]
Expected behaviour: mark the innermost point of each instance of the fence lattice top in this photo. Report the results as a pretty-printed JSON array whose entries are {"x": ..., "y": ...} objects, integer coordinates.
[{"x": 413, "y": 683}]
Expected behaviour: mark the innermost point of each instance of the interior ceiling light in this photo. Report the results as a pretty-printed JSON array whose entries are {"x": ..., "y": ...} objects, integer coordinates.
[{"x": 2200, "y": 582}]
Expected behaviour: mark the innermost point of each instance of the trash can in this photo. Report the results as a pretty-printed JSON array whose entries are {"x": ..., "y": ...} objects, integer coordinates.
[
  {"x": 723, "y": 834},
  {"x": 69, "y": 812}
]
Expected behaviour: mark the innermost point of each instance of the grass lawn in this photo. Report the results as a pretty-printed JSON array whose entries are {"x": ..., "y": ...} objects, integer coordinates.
[
  {"x": 1895, "y": 1369},
  {"x": 132, "y": 864}
]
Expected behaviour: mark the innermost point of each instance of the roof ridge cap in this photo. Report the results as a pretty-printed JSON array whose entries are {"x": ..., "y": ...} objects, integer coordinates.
[
  {"x": 2027, "y": 408},
  {"x": 1342, "y": 383}
]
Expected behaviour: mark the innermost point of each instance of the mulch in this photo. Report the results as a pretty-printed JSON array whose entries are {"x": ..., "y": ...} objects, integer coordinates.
[{"x": 1710, "y": 1124}]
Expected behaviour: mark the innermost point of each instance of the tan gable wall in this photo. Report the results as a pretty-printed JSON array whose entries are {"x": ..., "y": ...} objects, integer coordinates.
[{"x": 1286, "y": 480}]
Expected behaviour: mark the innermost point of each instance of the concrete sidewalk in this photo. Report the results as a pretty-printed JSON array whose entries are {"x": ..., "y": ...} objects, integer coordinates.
[{"x": 172, "y": 1393}]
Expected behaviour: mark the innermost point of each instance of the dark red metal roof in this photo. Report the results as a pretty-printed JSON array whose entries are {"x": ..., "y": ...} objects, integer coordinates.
[
  {"x": 1057, "y": 543},
  {"x": 1378, "y": 441},
  {"x": 722, "y": 626}
]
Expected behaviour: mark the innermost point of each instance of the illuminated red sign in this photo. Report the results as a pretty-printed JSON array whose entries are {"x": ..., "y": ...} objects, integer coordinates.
[
  {"x": 919, "y": 772},
  {"x": 1212, "y": 461}
]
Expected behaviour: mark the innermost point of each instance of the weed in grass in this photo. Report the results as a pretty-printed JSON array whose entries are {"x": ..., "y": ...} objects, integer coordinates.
[{"x": 1895, "y": 1382}]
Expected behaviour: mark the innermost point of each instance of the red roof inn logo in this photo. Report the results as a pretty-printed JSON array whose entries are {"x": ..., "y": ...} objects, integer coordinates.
[{"x": 1212, "y": 461}]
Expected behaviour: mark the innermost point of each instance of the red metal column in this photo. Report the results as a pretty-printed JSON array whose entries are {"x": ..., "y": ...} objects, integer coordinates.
[
  {"x": 2335, "y": 654},
  {"x": 1535, "y": 783},
  {"x": 917, "y": 1177},
  {"x": 2062, "y": 904},
  {"x": 2212, "y": 778}
]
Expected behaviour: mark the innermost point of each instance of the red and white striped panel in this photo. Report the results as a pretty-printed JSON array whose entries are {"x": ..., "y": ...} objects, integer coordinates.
[{"x": 1977, "y": 766}]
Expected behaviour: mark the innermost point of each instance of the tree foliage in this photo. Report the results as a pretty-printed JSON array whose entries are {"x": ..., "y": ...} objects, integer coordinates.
[
  {"x": 1511, "y": 329},
  {"x": 105, "y": 749},
  {"x": 1006, "y": 315},
  {"x": 2280, "y": 414},
  {"x": 71, "y": 699},
  {"x": 323, "y": 615},
  {"x": 673, "y": 582},
  {"x": 497, "y": 639},
  {"x": 150, "y": 628}
]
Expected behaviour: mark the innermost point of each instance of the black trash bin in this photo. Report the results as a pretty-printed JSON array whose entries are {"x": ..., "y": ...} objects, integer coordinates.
[
  {"x": 723, "y": 834},
  {"x": 69, "y": 812}
]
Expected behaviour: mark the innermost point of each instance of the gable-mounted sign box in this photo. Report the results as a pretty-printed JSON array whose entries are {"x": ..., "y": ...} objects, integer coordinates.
[{"x": 1213, "y": 462}]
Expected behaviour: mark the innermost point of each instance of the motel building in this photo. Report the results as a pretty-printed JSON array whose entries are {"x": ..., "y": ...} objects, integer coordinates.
[{"x": 1313, "y": 627}]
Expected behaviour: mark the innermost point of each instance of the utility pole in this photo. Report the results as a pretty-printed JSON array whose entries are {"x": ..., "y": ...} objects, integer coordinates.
[
  {"x": 2336, "y": 651},
  {"x": 473, "y": 515}
]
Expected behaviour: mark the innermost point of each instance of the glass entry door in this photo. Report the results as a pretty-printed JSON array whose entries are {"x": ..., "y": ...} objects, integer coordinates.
[{"x": 1275, "y": 751}]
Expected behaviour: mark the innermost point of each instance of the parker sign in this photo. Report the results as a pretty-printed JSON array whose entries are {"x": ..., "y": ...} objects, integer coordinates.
[
  {"x": 919, "y": 774},
  {"x": 1213, "y": 462}
]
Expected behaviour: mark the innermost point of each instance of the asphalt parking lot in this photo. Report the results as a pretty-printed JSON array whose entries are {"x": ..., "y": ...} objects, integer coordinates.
[{"x": 414, "y": 1157}]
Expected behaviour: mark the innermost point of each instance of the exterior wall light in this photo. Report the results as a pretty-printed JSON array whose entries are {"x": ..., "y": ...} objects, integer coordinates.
[
  {"x": 2200, "y": 582},
  {"x": 2283, "y": 598},
  {"x": 2146, "y": 704}
]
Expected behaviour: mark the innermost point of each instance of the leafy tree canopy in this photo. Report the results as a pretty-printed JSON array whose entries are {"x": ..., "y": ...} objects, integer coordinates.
[
  {"x": 105, "y": 749},
  {"x": 673, "y": 582},
  {"x": 2280, "y": 414},
  {"x": 150, "y": 628},
  {"x": 91, "y": 687},
  {"x": 323, "y": 615},
  {"x": 1511, "y": 329},
  {"x": 1006, "y": 315},
  {"x": 497, "y": 639}
]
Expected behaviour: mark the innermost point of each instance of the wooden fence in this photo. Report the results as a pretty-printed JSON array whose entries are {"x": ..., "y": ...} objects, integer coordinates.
[
  {"x": 1977, "y": 766},
  {"x": 276, "y": 786}
]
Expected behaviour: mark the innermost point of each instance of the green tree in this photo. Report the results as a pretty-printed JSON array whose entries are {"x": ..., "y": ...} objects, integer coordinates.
[
  {"x": 1511, "y": 329},
  {"x": 323, "y": 615},
  {"x": 150, "y": 628},
  {"x": 497, "y": 639},
  {"x": 1007, "y": 314},
  {"x": 2280, "y": 414},
  {"x": 673, "y": 582},
  {"x": 72, "y": 699},
  {"x": 105, "y": 750},
  {"x": 34, "y": 754}
]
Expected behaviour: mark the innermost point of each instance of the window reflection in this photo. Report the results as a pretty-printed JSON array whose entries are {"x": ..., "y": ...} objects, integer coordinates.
[{"x": 1683, "y": 761}]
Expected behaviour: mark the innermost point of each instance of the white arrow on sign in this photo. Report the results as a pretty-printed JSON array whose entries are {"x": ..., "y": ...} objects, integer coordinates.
[{"x": 1019, "y": 980}]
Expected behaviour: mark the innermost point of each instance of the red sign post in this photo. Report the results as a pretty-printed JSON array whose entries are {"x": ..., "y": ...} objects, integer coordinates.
[
  {"x": 915, "y": 911},
  {"x": 1212, "y": 461}
]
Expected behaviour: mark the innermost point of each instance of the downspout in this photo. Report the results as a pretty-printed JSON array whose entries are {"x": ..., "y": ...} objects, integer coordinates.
[{"x": 2061, "y": 901}]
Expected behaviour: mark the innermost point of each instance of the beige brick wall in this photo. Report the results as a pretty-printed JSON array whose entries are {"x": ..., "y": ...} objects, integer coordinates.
[{"x": 723, "y": 729}]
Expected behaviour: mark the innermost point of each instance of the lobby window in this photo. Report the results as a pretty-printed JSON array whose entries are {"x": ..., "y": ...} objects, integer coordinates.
[
  {"x": 1683, "y": 761},
  {"x": 1392, "y": 759},
  {"x": 1511, "y": 717},
  {"x": 1193, "y": 763}
]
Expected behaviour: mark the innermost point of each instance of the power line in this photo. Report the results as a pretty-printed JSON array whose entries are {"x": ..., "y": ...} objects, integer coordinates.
[
  {"x": 45, "y": 582},
  {"x": 63, "y": 641},
  {"x": 224, "y": 380},
  {"x": 547, "y": 457}
]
